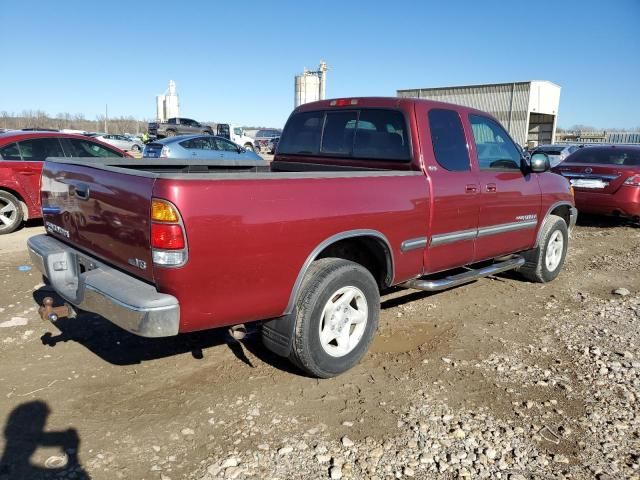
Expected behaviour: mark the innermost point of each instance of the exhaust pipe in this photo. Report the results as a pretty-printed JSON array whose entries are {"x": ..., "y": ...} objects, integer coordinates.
[
  {"x": 50, "y": 313},
  {"x": 238, "y": 332}
]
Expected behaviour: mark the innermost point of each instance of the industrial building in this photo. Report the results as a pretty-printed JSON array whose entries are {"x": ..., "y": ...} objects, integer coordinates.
[
  {"x": 167, "y": 105},
  {"x": 529, "y": 110},
  {"x": 310, "y": 86}
]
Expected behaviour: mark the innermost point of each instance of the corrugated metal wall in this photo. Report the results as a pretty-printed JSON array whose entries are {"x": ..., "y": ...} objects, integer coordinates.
[{"x": 508, "y": 102}]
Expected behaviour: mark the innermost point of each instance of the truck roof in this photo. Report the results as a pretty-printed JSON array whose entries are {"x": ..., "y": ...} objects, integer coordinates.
[{"x": 380, "y": 102}]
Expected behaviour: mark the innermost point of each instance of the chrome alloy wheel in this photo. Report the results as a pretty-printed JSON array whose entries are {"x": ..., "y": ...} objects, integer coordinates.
[
  {"x": 8, "y": 213},
  {"x": 343, "y": 321},
  {"x": 555, "y": 246}
]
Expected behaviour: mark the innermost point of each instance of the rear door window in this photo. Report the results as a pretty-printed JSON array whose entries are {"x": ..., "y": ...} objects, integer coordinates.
[
  {"x": 74, "y": 147},
  {"x": 377, "y": 134},
  {"x": 199, "y": 143},
  {"x": 10, "y": 152},
  {"x": 447, "y": 137},
  {"x": 38, "y": 149}
]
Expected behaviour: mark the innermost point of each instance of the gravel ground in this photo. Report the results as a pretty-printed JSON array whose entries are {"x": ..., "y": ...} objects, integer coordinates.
[{"x": 497, "y": 379}]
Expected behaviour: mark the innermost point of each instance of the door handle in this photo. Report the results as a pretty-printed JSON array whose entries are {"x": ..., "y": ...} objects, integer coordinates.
[
  {"x": 471, "y": 188},
  {"x": 491, "y": 188},
  {"x": 80, "y": 190}
]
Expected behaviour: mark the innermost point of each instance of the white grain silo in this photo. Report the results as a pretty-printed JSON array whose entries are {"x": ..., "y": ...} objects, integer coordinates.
[
  {"x": 167, "y": 104},
  {"x": 311, "y": 86}
]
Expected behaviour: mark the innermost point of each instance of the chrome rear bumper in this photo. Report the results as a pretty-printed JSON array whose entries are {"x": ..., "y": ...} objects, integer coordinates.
[{"x": 122, "y": 299}]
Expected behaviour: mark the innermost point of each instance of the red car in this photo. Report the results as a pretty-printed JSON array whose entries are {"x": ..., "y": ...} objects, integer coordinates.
[
  {"x": 21, "y": 157},
  {"x": 363, "y": 194},
  {"x": 606, "y": 179}
]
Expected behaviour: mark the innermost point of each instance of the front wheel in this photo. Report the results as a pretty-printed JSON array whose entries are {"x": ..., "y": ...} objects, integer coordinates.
[
  {"x": 135, "y": 148},
  {"x": 170, "y": 133},
  {"x": 336, "y": 317},
  {"x": 249, "y": 147},
  {"x": 543, "y": 263},
  {"x": 10, "y": 213}
]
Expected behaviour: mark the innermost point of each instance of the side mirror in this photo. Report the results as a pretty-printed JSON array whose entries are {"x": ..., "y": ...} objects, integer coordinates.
[{"x": 540, "y": 163}]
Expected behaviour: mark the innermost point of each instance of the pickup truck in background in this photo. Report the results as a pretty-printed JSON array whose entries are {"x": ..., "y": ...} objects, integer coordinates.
[
  {"x": 363, "y": 194},
  {"x": 236, "y": 135},
  {"x": 177, "y": 126}
]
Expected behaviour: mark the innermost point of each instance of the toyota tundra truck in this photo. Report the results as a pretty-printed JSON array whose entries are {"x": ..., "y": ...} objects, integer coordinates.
[{"x": 363, "y": 194}]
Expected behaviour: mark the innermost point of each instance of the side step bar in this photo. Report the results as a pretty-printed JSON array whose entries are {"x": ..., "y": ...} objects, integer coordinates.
[{"x": 462, "y": 278}]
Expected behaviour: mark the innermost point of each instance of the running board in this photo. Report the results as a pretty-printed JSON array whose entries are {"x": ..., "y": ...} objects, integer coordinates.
[{"x": 465, "y": 277}]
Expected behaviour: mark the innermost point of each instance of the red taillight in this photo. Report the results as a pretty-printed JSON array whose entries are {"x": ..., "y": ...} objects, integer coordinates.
[
  {"x": 167, "y": 237},
  {"x": 343, "y": 102},
  {"x": 634, "y": 181}
]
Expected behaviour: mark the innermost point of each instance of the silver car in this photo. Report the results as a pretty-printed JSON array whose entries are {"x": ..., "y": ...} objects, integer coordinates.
[
  {"x": 556, "y": 153},
  {"x": 123, "y": 142},
  {"x": 198, "y": 147}
]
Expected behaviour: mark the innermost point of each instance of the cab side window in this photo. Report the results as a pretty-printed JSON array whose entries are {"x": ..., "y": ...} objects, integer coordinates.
[
  {"x": 447, "y": 137},
  {"x": 496, "y": 151}
]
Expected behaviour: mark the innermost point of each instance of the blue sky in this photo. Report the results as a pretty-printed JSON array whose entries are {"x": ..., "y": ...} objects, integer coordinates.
[{"x": 235, "y": 61}]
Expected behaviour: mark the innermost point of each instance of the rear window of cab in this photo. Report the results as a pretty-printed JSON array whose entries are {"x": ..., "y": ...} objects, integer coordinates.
[
  {"x": 377, "y": 134},
  {"x": 606, "y": 156}
]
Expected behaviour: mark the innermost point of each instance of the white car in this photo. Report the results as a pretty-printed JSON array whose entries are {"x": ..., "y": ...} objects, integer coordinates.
[{"x": 123, "y": 142}]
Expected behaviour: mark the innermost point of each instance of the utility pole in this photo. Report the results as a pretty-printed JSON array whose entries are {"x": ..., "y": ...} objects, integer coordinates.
[{"x": 106, "y": 117}]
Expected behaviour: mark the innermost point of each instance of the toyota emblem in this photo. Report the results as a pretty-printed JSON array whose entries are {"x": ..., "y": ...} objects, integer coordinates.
[{"x": 588, "y": 170}]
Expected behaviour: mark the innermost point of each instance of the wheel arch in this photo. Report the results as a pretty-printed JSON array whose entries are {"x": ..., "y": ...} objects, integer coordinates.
[
  {"x": 560, "y": 209},
  {"x": 354, "y": 245}
]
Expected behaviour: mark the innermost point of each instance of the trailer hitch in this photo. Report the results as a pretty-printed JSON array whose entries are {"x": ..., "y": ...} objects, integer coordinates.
[{"x": 48, "y": 312}]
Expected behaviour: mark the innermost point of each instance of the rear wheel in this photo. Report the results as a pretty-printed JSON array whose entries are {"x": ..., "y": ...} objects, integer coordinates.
[
  {"x": 543, "y": 263},
  {"x": 249, "y": 147},
  {"x": 207, "y": 132},
  {"x": 336, "y": 317},
  {"x": 135, "y": 148},
  {"x": 170, "y": 133},
  {"x": 10, "y": 213}
]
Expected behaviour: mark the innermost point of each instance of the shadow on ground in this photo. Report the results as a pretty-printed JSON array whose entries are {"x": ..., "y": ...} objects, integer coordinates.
[
  {"x": 24, "y": 434},
  {"x": 120, "y": 347}
]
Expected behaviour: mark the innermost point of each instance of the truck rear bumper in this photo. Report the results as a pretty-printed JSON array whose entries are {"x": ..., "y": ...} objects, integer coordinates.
[{"x": 95, "y": 287}]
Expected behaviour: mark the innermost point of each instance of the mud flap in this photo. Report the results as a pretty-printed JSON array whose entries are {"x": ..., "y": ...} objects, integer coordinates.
[{"x": 277, "y": 334}]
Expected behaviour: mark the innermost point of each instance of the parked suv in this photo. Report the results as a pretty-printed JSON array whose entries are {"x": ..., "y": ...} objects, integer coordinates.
[
  {"x": 177, "y": 126},
  {"x": 606, "y": 179},
  {"x": 263, "y": 137},
  {"x": 21, "y": 157}
]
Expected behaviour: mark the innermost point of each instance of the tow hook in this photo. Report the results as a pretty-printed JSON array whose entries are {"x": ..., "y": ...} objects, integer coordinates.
[
  {"x": 238, "y": 332},
  {"x": 48, "y": 312}
]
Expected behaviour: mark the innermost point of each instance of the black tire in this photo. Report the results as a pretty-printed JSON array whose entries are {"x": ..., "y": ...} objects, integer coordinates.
[
  {"x": 322, "y": 282},
  {"x": 170, "y": 133},
  {"x": 10, "y": 212},
  {"x": 535, "y": 268},
  {"x": 207, "y": 132},
  {"x": 249, "y": 147},
  {"x": 135, "y": 148}
]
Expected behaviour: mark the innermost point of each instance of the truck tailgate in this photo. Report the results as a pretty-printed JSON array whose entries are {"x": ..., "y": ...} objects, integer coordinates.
[{"x": 103, "y": 212}]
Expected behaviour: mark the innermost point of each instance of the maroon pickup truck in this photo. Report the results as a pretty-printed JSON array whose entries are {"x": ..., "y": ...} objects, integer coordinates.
[{"x": 363, "y": 194}]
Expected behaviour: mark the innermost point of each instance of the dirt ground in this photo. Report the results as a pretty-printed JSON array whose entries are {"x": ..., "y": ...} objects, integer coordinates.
[{"x": 84, "y": 399}]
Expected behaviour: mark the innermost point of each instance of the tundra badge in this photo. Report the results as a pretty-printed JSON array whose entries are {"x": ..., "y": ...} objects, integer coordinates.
[{"x": 52, "y": 227}]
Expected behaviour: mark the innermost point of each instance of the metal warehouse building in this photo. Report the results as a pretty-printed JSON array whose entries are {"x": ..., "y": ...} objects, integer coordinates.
[{"x": 529, "y": 110}]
